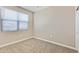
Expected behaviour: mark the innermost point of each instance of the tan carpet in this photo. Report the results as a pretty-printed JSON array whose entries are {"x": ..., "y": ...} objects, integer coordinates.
[{"x": 35, "y": 46}]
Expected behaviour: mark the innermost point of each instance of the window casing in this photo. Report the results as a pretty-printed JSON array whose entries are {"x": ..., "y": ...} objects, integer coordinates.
[{"x": 11, "y": 20}]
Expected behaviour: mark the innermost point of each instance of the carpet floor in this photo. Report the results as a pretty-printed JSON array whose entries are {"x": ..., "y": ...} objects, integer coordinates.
[{"x": 35, "y": 46}]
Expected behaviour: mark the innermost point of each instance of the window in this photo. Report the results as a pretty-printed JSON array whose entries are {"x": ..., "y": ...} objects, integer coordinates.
[
  {"x": 23, "y": 21},
  {"x": 9, "y": 25},
  {"x": 12, "y": 20}
]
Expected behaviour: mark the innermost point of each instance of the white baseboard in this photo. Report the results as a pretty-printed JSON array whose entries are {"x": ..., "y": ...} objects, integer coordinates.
[
  {"x": 10, "y": 43},
  {"x": 60, "y": 44}
]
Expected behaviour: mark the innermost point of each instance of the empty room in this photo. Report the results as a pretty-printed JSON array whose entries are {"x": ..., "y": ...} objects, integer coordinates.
[{"x": 39, "y": 29}]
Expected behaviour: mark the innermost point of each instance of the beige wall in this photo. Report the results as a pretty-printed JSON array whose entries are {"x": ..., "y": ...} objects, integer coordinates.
[
  {"x": 6, "y": 37},
  {"x": 56, "y": 24},
  {"x": 53, "y": 23}
]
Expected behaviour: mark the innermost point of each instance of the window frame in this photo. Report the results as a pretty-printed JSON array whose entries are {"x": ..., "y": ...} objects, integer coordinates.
[{"x": 18, "y": 22}]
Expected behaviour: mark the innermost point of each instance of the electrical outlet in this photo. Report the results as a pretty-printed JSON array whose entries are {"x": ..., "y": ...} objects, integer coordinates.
[{"x": 52, "y": 36}]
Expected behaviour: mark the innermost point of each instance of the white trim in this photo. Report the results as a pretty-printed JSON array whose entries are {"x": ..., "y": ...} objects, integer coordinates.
[
  {"x": 10, "y": 43},
  {"x": 60, "y": 44}
]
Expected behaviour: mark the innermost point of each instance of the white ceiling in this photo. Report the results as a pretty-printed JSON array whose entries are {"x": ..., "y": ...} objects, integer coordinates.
[{"x": 34, "y": 8}]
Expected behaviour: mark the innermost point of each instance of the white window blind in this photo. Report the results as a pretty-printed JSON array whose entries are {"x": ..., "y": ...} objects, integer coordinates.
[{"x": 11, "y": 20}]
